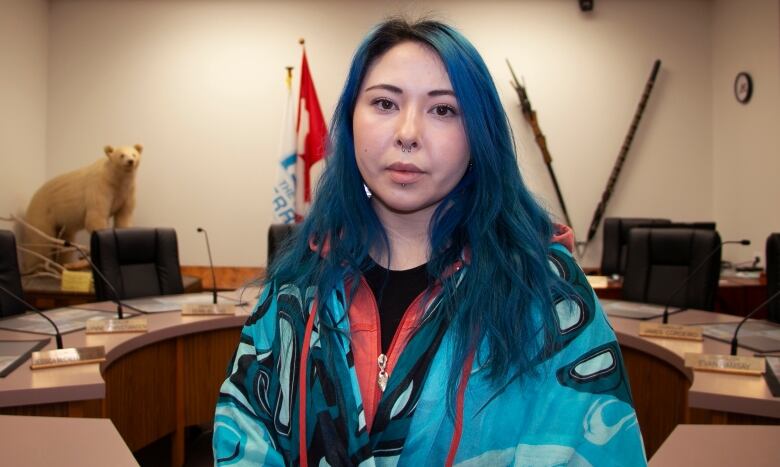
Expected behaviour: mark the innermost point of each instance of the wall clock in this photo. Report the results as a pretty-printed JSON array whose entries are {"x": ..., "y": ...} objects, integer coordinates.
[{"x": 743, "y": 87}]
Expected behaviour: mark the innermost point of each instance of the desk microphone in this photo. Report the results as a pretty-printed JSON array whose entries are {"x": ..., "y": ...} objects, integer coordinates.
[
  {"x": 57, "y": 336},
  {"x": 744, "y": 320},
  {"x": 189, "y": 309},
  {"x": 691, "y": 275},
  {"x": 84, "y": 255},
  {"x": 211, "y": 264}
]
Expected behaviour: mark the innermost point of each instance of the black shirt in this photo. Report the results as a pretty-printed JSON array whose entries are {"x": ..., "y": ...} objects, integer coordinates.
[{"x": 394, "y": 292}]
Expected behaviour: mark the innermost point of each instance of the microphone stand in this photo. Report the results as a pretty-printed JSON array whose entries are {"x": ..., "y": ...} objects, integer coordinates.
[
  {"x": 214, "y": 308},
  {"x": 211, "y": 264},
  {"x": 119, "y": 312},
  {"x": 734, "y": 344},
  {"x": 57, "y": 335}
]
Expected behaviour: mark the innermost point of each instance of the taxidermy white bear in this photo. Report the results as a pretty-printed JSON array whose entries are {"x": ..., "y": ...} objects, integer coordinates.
[{"x": 86, "y": 198}]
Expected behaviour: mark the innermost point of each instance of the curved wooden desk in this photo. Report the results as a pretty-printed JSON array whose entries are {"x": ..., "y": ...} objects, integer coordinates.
[
  {"x": 667, "y": 393},
  {"x": 151, "y": 384},
  {"x": 157, "y": 383}
]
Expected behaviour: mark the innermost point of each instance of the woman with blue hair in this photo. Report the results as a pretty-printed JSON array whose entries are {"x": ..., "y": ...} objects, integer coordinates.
[{"x": 427, "y": 311}]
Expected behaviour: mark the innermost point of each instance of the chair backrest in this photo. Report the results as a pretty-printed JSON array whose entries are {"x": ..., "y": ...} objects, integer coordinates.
[
  {"x": 139, "y": 262},
  {"x": 277, "y": 235},
  {"x": 660, "y": 259},
  {"x": 707, "y": 225},
  {"x": 10, "y": 278},
  {"x": 613, "y": 254},
  {"x": 773, "y": 274}
]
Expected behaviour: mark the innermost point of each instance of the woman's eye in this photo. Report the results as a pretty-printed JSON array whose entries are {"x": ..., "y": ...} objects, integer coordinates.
[
  {"x": 443, "y": 110},
  {"x": 384, "y": 104}
]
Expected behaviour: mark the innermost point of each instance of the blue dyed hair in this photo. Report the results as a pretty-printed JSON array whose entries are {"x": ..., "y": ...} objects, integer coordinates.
[{"x": 490, "y": 212}]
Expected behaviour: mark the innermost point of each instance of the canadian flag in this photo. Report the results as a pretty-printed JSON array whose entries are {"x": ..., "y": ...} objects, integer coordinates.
[{"x": 312, "y": 136}]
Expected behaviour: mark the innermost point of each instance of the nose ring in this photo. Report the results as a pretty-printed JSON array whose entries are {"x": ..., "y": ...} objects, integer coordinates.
[{"x": 405, "y": 148}]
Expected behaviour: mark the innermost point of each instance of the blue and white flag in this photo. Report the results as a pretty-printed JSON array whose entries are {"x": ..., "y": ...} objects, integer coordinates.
[{"x": 284, "y": 189}]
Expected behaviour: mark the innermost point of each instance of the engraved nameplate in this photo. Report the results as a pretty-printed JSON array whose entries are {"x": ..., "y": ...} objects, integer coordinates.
[
  {"x": 65, "y": 357},
  {"x": 203, "y": 309},
  {"x": 671, "y": 331},
  {"x": 726, "y": 363},
  {"x": 598, "y": 282},
  {"x": 106, "y": 326}
]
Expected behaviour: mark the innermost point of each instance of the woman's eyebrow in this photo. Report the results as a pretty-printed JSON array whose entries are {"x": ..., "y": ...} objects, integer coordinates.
[
  {"x": 386, "y": 87},
  {"x": 397, "y": 90}
]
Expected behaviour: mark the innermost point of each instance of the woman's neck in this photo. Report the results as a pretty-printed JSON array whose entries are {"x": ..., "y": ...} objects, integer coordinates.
[{"x": 407, "y": 235}]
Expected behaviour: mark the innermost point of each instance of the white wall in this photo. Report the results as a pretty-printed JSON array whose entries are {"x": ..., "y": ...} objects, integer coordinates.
[
  {"x": 746, "y": 138},
  {"x": 200, "y": 84},
  {"x": 23, "y": 53}
]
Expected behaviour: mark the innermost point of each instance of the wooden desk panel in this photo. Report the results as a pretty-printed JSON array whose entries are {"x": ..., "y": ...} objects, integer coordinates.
[
  {"x": 141, "y": 393},
  {"x": 656, "y": 384},
  {"x": 206, "y": 359}
]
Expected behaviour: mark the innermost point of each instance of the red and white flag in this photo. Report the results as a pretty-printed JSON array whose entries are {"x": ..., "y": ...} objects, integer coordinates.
[{"x": 312, "y": 137}]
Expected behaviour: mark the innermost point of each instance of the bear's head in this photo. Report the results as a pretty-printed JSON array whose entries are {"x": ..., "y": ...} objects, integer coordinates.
[{"x": 125, "y": 157}]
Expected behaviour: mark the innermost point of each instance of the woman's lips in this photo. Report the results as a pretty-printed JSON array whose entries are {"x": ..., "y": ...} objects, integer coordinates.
[{"x": 404, "y": 173}]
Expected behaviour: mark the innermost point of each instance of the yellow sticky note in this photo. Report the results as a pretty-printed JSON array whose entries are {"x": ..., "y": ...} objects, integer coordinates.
[{"x": 77, "y": 281}]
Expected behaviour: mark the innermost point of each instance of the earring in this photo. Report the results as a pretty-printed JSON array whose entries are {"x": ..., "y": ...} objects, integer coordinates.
[{"x": 368, "y": 192}]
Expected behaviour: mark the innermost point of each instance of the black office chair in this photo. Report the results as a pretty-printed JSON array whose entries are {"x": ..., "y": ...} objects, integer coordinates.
[
  {"x": 773, "y": 275},
  {"x": 139, "y": 262},
  {"x": 277, "y": 235},
  {"x": 10, "y": 278},
  {"x": 660, "y": 259},
  {"x": 707, "y": 225},
  {"x": 613, "y": 254}
]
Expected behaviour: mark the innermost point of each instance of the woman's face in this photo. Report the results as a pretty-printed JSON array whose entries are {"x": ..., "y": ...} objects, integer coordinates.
[{"x": 410, "y": 143}]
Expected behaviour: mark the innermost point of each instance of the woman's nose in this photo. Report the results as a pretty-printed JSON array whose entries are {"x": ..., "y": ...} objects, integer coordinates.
[{"x": 408, "y": 133}]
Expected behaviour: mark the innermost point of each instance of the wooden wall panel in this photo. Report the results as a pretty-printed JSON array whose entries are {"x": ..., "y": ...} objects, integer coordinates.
[
  {"x": 228, "y": 277},
  {"x": 715, "y": 417}
]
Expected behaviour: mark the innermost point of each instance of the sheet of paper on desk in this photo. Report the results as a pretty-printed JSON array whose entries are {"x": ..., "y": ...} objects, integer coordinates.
[
  {"x": 151, "y": 305},
  {"x": 166, "y": 303},
  {"x": 761, "y": 336},
  {"x": 14, "y": 352},
  {"x": 205, "y": 297},
  {"x": 631, "y": 309},
  {"x": 66, "y": 319},
  {"x": 772, "y": 374}
]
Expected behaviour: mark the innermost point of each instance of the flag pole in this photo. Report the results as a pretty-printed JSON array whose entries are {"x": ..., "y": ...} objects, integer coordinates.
[{"x": 289, "y": 78}]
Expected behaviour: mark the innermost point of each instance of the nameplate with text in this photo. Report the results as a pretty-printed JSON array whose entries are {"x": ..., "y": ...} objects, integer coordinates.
[
  {"x": 67, "y": 357},
  {"x": 205, "y": 309},
  {"x": 109, "y": 326},
  {"x": 76, "y": 281},
  {"x": 670, "y": 331},
  {"x": 738, "y": 364},
  {"x": 598, "y": 282}
]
